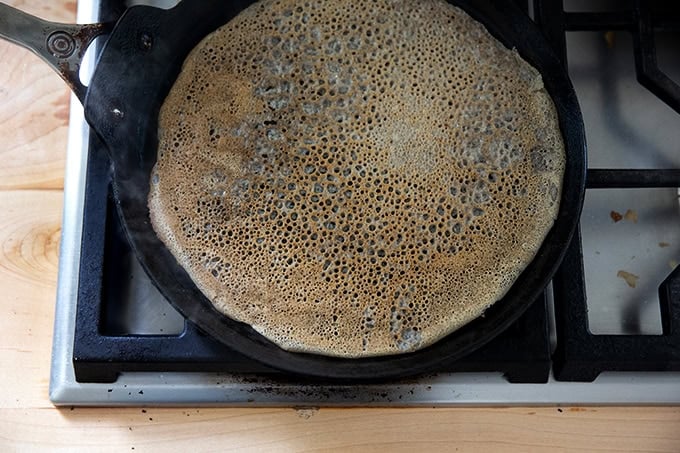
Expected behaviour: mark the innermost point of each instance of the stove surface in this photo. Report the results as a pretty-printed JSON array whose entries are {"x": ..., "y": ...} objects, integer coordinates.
[{"x": 645, "y": 243}]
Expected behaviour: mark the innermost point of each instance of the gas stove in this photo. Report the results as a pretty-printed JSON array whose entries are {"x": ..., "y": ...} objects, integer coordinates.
[{"x": 606, "y": 331}]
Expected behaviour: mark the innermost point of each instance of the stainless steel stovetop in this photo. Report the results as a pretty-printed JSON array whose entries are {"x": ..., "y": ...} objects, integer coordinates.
[{"x": 627, "y": 127}]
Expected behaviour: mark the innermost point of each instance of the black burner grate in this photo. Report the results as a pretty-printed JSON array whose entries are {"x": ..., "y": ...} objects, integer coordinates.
[
  {"x": 581, "y": 355},
  {"x": 641, "y": 19}
]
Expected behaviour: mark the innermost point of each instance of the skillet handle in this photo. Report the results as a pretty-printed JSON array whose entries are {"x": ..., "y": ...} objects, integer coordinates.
[{"x": 62, "y": 46}]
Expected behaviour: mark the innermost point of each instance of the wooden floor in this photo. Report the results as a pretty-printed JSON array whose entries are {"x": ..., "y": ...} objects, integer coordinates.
[{"x": 33, "y": 128}]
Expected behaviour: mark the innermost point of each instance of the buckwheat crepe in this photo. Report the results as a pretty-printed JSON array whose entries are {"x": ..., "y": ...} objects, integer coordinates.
[{"x": 355, "y": 178}]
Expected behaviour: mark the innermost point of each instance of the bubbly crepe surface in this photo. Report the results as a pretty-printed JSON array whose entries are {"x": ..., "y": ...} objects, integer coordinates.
[{"x": 355, "y": 178}]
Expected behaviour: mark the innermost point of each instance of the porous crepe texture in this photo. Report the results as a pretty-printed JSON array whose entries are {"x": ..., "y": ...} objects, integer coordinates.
[{"x": 355, "y": 178}]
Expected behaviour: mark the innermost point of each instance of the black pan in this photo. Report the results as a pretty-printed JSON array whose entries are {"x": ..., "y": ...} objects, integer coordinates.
[{"x": 138, "y": 65}]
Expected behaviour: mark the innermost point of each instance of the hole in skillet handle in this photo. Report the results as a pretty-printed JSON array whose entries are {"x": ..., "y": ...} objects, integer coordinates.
[
  {"x": 136, "y": 80},
  {"x": 62, "y": 46}
]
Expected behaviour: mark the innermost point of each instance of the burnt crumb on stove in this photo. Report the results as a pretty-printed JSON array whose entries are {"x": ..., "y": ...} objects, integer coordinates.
[
  {"x": 325, "y": 393},
  {"x": 129, "y": 428},
  {"x": 141, "y": 392},
  {"x": 631, "y": 279},
  {"x": 428, "y": 388},
  {"x": 150, "y": 419},
  {"x": 109, "y": 390},
  {"x": 262, "y": 390},
  {"x": 630, "y": 216},
  {"x": 72, "y": 408},
  {"x": 610, "y": 39},
  {"x": 559, "y": 410},
  {"x": 143, "y": 411},
  {"x": 664, "y": 244}
]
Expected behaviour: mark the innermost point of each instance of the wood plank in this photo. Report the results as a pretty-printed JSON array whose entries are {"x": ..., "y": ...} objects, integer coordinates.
[
  {"x": 407, "y": 430},
  {"x": 30, "y": 225},
  {"x": 34, "y": 109}
]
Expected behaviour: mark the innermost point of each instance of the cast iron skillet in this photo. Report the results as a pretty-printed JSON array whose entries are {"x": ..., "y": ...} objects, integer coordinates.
[{"x": 137, "y": 67}]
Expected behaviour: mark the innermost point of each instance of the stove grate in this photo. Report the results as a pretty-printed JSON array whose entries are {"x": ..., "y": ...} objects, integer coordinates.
[{"x": 581, "y": 355}]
